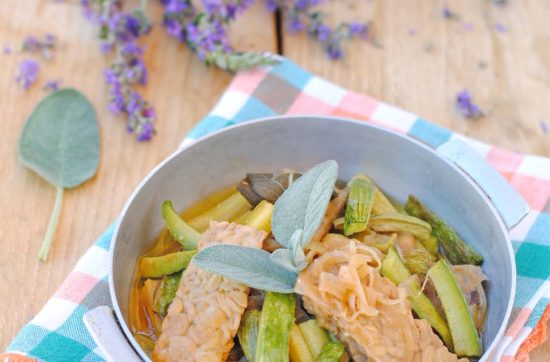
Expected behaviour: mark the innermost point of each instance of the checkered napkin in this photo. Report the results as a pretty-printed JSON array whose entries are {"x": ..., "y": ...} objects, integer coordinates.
[{"x": 57, "y": 333}]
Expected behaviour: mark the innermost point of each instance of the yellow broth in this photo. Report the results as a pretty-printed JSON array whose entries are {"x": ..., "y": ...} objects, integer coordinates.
[{"x": 144, "y": 322}]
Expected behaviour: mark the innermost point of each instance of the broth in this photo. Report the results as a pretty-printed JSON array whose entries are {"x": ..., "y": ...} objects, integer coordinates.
[{"x": 144, "y": 322}]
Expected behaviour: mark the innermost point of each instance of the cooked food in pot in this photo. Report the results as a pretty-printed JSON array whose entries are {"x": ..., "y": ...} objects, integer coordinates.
[{"x": 292, "y": 267}]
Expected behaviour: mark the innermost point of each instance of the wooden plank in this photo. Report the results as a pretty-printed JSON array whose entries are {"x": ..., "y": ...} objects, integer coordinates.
[
  {"x": 182, "y": 90},
  {"x": 507, "y": 73}
]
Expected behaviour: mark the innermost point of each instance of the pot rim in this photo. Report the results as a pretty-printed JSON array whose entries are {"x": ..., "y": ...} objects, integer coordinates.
[{"x": 184, "y": 146}]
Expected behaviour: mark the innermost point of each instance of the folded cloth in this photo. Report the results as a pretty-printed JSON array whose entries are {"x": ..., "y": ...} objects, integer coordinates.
[{"x": 57, "y": 333}]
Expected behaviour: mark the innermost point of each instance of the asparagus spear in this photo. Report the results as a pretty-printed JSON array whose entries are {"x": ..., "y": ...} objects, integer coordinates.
[
  {"x": 331, "y": 352},
  {"x": 315, "y": 336},
  {"x": 454, "y": 248},
  {"x": 463, "y": 330},
  {"x": 180, "y": 230},
  {"x": 275, "y": 325},
  {"x": 248, "y": 333},
  {"x": 394, "y": 269},
  {"x": 299, "y": 351},
  {"x": 358, "y": 208},
  {"x": 227, "y": 210},
  {"x": 154, "y": 267},
  {"x": 432, "y": 244},
  {"x": 166, "y": 293}
]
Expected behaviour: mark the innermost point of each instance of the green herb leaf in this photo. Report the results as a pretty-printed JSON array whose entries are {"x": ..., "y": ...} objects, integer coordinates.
[
  {"x": 250, "y": 266},
  {"x": 60, "y": 142},
  {"x": 293, "y": 258},
  {"x": 303, "y": 204}
]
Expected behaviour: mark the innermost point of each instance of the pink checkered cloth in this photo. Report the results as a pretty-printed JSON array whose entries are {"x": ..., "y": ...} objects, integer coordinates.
[{"x": 57, "y": 333}]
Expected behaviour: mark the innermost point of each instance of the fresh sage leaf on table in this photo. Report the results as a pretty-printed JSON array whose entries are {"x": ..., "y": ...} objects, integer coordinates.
[{"x": 60, "y": 142}]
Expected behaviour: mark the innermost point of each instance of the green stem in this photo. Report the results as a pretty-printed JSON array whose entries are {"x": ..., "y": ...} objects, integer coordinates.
[
  {"x": 143, "y": 5},
  {"x": 52, "y": 225}
]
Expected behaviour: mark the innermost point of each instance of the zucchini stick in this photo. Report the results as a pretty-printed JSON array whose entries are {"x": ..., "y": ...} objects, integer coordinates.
[
  {"x": 315, "y": 336},
  {"x": 394, "y": 269},
  {"x": 157, "y": 266},
  {"x": 183, "y": 233},
  {"x": 454, "y": 248},
  {"x": 381, "y": 204},
  {"x": 227, "y": 210},
  {"x": 396, "y": 222},
  {"x": 358, "y": 208},
  {"x": 465, "y": 338},
  {"x": 248, "y": 333},
  {"x": 331, "y": 352},
  {"x": 299, "y": 351},
  {"x": 260, "y": 217},
  {"x": 243, "y": 219},
  {"x": 275, "y": 325}
]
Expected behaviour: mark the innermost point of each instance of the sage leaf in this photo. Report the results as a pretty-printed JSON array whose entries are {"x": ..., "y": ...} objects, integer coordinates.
[
  {"x": 250, "y": 266},
  {"x": 283, "y": 258},
  {"x": 60, "y": 142},
  {"x": 303, "y": 204}
]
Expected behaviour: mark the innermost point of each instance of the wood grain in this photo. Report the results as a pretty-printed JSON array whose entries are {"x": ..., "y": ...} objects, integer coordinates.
[
  {"x": 513, "y": 88},
  {"x": 423, "y": 60},
  {"x": 182, "y": 89}
]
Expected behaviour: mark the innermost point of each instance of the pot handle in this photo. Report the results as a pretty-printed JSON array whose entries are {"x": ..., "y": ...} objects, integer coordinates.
[
  {"x": 509, "y": 203},
  {"x": 105, "y": 331}
]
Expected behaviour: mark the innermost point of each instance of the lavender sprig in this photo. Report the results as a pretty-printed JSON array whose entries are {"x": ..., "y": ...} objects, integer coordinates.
[
  {"x": 300, "y": 15},
  {"x": 119, "y": 33},
  {"x": 205, "y": 32},
  {"x": 46, "y": 46}
]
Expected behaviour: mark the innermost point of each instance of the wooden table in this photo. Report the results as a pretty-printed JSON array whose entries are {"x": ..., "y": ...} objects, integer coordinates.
[{"x": 422, "y": 60}]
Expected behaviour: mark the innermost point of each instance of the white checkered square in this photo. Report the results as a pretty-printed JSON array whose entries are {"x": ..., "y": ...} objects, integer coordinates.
[
  {"x": 54, "y": 313},
  {"x": 230, "y": 104},
  {"x": 95, "y": 263},
  {"x": 535, "y": 166},
  {"x": 324, "y": 91},
  {"x": 394, "y": 117}
]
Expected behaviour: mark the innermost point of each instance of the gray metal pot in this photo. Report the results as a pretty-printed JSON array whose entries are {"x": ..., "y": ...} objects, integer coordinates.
[{"x": 400, "y": 165}]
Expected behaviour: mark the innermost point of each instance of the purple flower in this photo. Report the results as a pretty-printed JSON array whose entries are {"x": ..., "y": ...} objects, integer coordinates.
[
  {"x": 295, "y": 25},
  {"x": 543, "y": 126},
  {"x": 466, "y": 106},
  {"x": 6, "y": 50},
  {"x": 52, "y": 85},
  {"x": 31, "y": 44},
  {"x": 28, "y": 73},
  {"x": 146, "y": 132},
  {"x": 357, "y": 28},
  {"x": 334, "y": 51},
  {"x": 501, "y": 28},
  {"x": 323, "y": 32},
  {"x": 271, "y": 5},
  {"x": 176, "y": 6},
  {"x": 447, "y": 13},
  {"x": 174, "y": 28},
  {"x": 133, "y": 25}
]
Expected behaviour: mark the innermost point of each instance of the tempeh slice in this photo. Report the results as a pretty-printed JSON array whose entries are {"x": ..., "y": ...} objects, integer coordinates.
[{"x": 206, "y": 312}]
